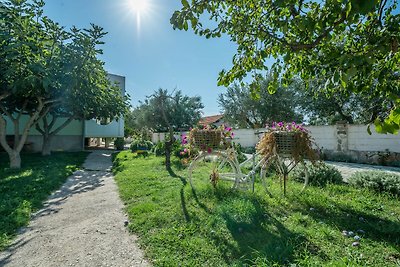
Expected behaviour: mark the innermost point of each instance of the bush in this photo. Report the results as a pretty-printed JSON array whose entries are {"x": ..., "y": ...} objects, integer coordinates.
[
  {"x": 319, "y": 174},
  {"x": 140, "y": 145},
  {"x": 249, "y": 150},
  {"x": 159, "y": 149},
  {"x": 119, "y": 143},
  {"x": 240, "y": 155},
  {"x": 378, "y": 181},
  {"x": 180, "y": 150}
]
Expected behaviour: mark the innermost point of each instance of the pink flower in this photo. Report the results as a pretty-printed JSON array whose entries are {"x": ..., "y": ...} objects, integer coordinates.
[
  {"x": 209, "y": 150},
  {"x": 185, "y": 150}
]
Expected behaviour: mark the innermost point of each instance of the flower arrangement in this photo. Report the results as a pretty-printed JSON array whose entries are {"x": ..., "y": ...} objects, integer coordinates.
[
  {"x": 207, "y": 138},
  {"x": 290, "y": 139}
]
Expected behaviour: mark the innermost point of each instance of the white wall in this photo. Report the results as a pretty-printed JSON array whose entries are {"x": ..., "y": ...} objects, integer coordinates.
[
  {"x": 327, "y": 137},
  {"x": 360, "y": 140},
  {"x": 324, "y": 136},
  {"x": 113, "y": 129}
]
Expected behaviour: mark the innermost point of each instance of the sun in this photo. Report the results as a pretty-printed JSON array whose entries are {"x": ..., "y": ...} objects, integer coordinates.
[
  {"x": 141, "y": 11},
  {"x": 140, "y": 7}
]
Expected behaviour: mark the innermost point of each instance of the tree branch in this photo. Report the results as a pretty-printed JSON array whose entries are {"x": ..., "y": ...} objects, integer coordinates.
[
  {"x": 5, "y": 111},
  {"x": 3, "y": 141},
  {"x": 62, "y": 126},
  {"x": 32, "y": 120}
]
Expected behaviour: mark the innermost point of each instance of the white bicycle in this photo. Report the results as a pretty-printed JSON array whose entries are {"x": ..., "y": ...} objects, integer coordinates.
[{"x": 221, "y": 169}]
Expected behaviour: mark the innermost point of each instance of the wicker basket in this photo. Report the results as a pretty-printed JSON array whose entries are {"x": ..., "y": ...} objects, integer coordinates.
[
  {"x": 285, "y": 142},
  {"x": 206, "y": 139}
]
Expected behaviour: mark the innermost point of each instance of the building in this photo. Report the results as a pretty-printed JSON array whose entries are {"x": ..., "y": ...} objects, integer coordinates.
[
  {"x": 77, "y": 134},
  {"x": 215, "y": 120}
]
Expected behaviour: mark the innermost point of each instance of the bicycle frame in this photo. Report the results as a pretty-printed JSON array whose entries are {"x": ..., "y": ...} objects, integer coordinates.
[{"x": 244, "y": 178}]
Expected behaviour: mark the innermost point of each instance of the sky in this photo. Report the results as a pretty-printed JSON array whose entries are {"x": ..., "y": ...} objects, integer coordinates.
[{"x": 145, "y": 49}]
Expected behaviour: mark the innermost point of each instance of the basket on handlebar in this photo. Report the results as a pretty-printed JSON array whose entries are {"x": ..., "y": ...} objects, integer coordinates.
[{"x": 206, "y": 139}]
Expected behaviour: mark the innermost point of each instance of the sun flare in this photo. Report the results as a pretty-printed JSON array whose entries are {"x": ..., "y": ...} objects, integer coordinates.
[
  {"x": 140, "y": 11},
  {"x": 139, "y": 6}
]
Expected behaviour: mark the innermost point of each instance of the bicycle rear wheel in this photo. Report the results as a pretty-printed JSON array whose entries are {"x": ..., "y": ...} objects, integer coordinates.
[{"x": 213, "y": 171}]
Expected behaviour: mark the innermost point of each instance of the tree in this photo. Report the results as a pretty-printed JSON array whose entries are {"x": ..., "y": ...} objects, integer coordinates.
[
  {"x": 352, "y": 45},
  {"x": 26, "y": 47},
  {"x": 85, "y": 92},
  {"x": 244, "y": 110},
  {"x": 322, "y": 108},
  {"x": 168, "y": 112},
  {"x": 48, "y": 72}
]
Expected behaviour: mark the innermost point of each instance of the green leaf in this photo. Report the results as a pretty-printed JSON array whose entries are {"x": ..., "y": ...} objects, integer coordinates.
[
  {"x": 378, "y": 126},
  {"x": 185, "y": 3}
]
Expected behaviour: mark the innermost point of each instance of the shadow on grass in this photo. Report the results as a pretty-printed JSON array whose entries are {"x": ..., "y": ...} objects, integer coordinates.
[
  {"x": 345, "y": 217},
  {"x": 23, "y": 191},
  {"x": 258, "y": 236},
  {"x": 261, "y": 237}
]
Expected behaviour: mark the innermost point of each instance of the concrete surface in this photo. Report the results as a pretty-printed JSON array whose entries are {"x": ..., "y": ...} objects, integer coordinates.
[{"x": 82, "y": 224}]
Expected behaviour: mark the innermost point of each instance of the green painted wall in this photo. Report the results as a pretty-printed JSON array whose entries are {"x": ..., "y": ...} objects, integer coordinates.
[{"x": 74, "y": 128}]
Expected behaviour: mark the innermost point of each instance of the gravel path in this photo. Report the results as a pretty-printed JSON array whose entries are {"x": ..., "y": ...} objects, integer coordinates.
[
  {"x": 82, "y": 224},
  {"x": 347, "y": 169}
]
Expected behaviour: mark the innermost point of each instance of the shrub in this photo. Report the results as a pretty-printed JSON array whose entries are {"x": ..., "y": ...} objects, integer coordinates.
[
  {"x": 119, "y": 143},
  {"x": 376, "y": 180},
  {"x": 159, "y": 149},
  {"x": 240, "y": 155},
  {"x": 249, "y": 150},
  {"x": 319, "y": 174},
  {"x": 139, "y": 145},
  {"x": 180, "y": 151}
]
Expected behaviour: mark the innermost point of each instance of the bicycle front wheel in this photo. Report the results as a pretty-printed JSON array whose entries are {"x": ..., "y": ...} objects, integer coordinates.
[{"x": 213, "y": 171}]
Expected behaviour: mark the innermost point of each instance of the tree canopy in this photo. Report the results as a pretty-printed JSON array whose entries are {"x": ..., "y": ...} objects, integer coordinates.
[
  {"x": 164, "y": 110},
  {"x": 243, "y": 110},
  {"x": 349, "y": 44}
]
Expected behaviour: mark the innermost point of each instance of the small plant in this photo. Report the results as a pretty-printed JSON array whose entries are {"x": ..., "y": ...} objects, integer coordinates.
[
  {"x": 320, "y": 174},
  {"x": 141, "y": 145},
  {"x": 378, "y": 181},
  {"x": 119, "y": 143}
]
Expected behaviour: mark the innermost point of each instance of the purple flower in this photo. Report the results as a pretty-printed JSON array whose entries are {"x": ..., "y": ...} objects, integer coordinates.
[{"x": 209, "y": 150}]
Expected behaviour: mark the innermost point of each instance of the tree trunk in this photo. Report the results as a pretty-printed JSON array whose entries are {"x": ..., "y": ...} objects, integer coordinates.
[
  {"x": 168, "y": 155},
  {"x": 168, "y": 149},
  {"x": 15, "y": 160},
  {"x": 46, "y": 145}
]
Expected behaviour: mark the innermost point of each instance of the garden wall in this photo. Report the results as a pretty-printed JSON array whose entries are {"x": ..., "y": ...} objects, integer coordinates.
[{"x": 340, "y": 142}]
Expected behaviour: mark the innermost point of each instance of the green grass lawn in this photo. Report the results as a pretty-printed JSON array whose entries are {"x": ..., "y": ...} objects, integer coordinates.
[
  {"x": 179, "y": 227},
  {"x": 23, "y": 191}
]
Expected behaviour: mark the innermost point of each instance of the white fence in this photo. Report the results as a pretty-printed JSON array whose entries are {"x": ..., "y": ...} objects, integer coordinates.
[{"x": 340, "y": 137}]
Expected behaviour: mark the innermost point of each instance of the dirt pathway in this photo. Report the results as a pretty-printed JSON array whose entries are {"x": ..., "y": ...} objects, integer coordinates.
[{"x": 82, "y": 224}]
